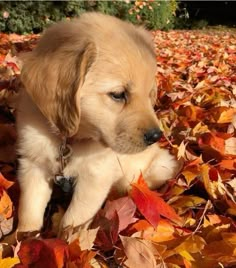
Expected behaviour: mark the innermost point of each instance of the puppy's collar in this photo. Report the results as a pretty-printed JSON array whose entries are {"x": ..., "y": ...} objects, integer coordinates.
[
  {"x": 64, "y": 182},
  {"x": 65, "y": 152}
]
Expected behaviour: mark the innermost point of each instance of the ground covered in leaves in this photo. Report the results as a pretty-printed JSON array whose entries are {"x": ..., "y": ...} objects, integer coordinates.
[{"x": 188, "y": 223}]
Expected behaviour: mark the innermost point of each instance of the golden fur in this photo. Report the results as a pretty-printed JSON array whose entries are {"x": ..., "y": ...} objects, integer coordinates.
[{"x": 70, "y": 79}]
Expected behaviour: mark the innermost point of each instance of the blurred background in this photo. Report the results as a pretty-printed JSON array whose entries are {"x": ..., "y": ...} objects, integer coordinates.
[{"x": 33, "y": 16}]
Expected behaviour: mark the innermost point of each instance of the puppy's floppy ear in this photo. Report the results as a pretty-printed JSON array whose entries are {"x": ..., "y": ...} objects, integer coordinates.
[
  {"x": 53, "y": 74},
  {"x": 154, "y": 96}
]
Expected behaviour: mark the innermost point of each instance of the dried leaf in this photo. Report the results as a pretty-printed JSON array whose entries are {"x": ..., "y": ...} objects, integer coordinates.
[
  {"x": 125, "y": 209},
  {"x": 5, "y": 205},
  {"x": 79, "y": 258},
  {"x": 150, "y": 204},
  {"x": 138, "y": 252},
  {"x": 87, "y": 238},
  {"x": 4, "y": 182},
  {"x": 6, "y": 226},
  {"x": 9, "y": 262},
  {"x": 43, "y": 253}
]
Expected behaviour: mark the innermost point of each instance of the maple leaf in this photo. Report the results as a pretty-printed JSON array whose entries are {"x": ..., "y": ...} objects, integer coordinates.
[
  {"x": 150, "y": 204},
  {"x": 50, "y": 253},
  {"x": 78, "y": 257},
  {"x": 107, "y": 234},
  {"x": 125, "y": 209}
]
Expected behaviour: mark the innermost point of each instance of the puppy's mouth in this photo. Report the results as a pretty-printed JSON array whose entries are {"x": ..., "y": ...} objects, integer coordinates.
[{"x": 125, "y": 144}]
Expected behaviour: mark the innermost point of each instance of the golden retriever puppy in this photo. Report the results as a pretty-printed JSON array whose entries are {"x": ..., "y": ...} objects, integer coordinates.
[{"x": 92, "y": 81}]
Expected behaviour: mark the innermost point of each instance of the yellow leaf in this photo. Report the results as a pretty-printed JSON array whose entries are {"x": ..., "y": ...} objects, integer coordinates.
[
  {"x": 209, "y": 186},
  {"x": 163, "y": 232},
  {"x": 184, "y": 202},
  {"x": 182, "y": 150},
  {"x": 199, "y": 129},
  {"x": 5, "y": 205},
  {"x": 9, "y": 262},
  {"x": 227, "y": 116},
  {"x": 189, "y": 176},
  {"x": 229, "y": 238},
  {"x": 186, "y": 255},
  {"x": 192, "y": 244}
]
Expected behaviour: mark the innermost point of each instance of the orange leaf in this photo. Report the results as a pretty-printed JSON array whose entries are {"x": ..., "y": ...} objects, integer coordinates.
[
  {"x": 226, "y": 116},
  {"x": 205, "y": 169},
  {"x": 5, "y": 205},
  {"x": 163, "y": 232},
  {"x": 43, "y": 253},
  {"x": 141, "y": 225},
  {"x": 212, "y": 141},
  {"x": 78, "y": 257},
  {"x": 4, "y": 182},
  {"x": 228, "y": 164}
]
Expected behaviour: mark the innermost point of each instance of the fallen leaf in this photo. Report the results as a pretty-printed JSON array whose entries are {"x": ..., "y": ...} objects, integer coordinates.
[
  {"x": 4, "y": 182},
  {"x": 9, "y": 262},
  {"x": 150, "y": 204},
  {"x": 162, "y": 233},
  {"x": 43, "y": 253},
  {"x": 138, "y": 252},
  {"x": 6, "y": 226},
  {"x": 5, "y": 205},
  {"x": 230, "y": 146},
  {"x": 107, "y": 234},
  {"x": 125, "y": 209},
  {"x": 211, "y": 141},
  {"x": 87, "y": 238},
  {"x": 78, "y": 257}
]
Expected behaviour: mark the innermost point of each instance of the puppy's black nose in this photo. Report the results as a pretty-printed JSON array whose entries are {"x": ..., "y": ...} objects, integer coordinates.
[{"x": 152, "y": 135}]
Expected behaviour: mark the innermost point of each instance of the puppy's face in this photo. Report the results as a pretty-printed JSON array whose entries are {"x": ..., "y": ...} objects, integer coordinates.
[
  {"x": 95, "y": 78},
  {"x": 117, "y": 98}
]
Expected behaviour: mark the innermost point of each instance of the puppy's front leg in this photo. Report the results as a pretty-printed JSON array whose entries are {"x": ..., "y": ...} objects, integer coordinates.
[
  {"x": 89, "y": 195},
  {"x": 35, "y": 194}
]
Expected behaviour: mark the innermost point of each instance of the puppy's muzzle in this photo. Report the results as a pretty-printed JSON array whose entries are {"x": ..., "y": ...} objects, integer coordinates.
[{"x": 152, "y": 135}]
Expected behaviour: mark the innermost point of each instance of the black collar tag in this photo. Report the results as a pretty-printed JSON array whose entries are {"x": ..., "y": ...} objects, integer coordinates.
[{"x": 66, "y": 183}]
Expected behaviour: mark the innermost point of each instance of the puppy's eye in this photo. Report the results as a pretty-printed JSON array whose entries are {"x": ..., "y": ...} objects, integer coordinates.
[{"x": 118, "y": 96}]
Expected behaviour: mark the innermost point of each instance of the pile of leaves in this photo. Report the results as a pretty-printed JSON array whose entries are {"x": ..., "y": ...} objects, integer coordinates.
[{"x": 190, "y": 222}]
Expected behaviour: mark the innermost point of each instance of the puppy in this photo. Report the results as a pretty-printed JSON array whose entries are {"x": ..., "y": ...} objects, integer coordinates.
[{"x": 92, "y": 81}]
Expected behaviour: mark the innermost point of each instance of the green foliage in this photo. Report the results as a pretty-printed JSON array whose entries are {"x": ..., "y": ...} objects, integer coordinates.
[{"x": 34, "y": 16}]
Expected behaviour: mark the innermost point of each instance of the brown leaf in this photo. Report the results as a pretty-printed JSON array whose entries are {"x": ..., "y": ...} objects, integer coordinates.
[
  {"x": 6, "y": 226},
  {"x": 138, "y": 252},
  {"x": 4, "y": 182}
]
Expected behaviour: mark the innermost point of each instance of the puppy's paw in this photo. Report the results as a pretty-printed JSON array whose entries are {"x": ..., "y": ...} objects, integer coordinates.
[{"x": 163, "y": 167}]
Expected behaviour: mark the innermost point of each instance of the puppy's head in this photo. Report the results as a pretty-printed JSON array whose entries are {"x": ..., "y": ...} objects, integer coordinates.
[{"x": 95, "y": 78}]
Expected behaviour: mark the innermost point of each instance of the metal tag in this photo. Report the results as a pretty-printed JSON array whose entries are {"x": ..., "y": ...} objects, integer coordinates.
[{"x": 66, "y": 183}]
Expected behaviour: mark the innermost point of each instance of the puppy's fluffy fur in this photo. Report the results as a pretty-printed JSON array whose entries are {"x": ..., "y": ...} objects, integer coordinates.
[{"x": 92, "y": 79}]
